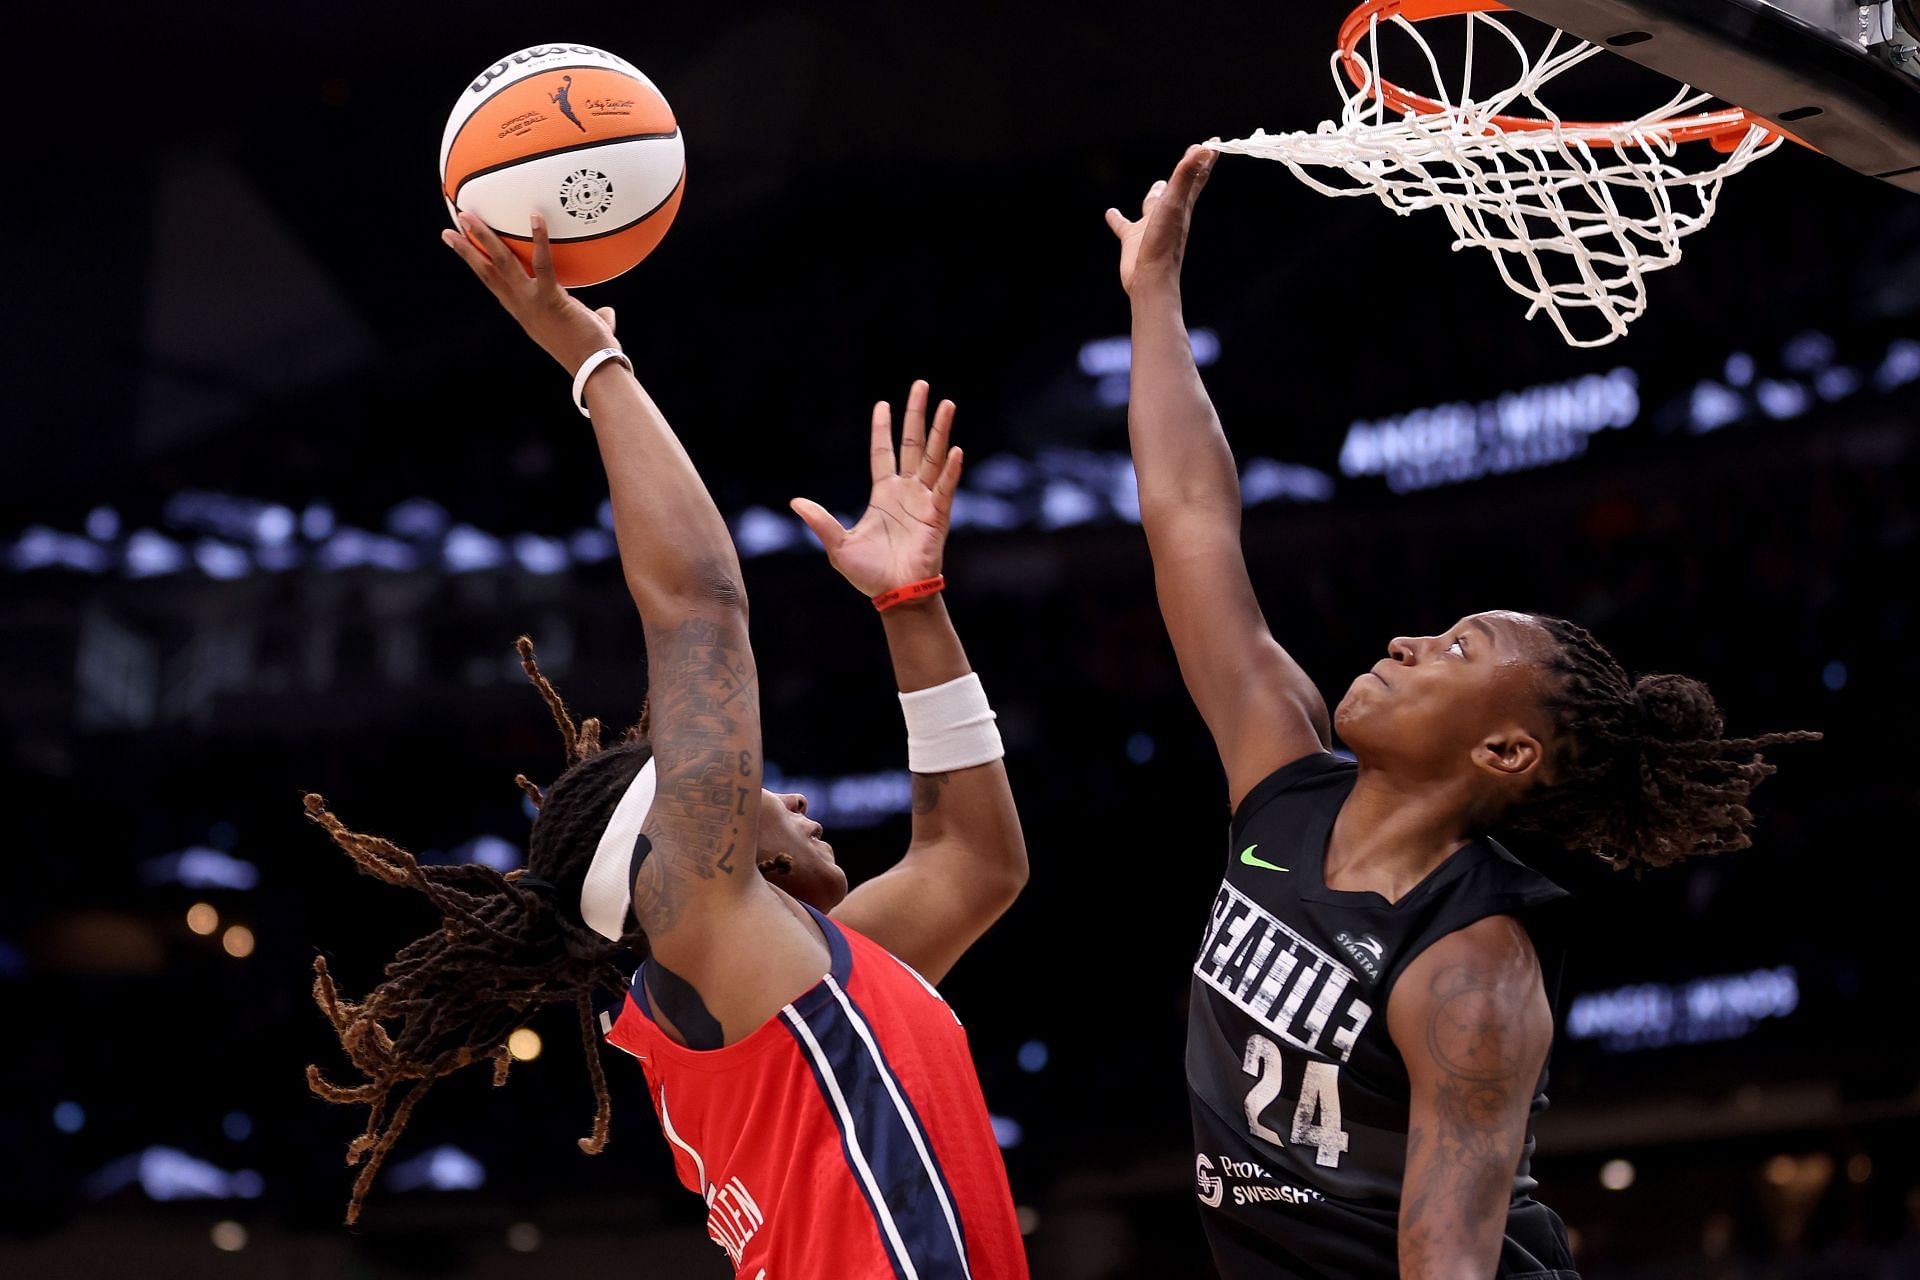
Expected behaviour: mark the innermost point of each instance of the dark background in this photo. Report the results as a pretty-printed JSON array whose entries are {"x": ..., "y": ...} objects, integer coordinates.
[{"x": 243, "y": 320}]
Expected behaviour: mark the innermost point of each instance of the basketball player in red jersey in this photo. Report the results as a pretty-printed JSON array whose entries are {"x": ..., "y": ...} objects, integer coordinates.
[
  {"x": 1370, "y": 1012},
  {"x": 815, "y": 1090}
]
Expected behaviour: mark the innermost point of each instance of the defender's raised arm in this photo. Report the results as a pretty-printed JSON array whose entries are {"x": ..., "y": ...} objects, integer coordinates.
[
  {"x": 968, "y": 860},
  {"x": 1260, "y": 706}
]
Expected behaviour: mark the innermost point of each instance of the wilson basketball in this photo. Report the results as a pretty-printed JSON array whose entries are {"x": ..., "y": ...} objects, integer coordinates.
[{"x": 576, "y": 134}]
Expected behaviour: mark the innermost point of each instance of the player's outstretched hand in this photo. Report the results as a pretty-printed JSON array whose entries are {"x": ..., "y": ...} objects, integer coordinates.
[
  {"x": 565, "y": 327},
  {"x": 1152, "y": 246},
  {"x": 902, "y": 536}
]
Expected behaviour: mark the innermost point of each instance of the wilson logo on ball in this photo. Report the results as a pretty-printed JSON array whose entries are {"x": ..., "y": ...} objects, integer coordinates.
[{"x": 586, "y": 194}]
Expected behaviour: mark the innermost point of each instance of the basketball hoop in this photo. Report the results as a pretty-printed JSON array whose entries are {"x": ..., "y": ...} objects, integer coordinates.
[{"x": 1574, "y": 213}]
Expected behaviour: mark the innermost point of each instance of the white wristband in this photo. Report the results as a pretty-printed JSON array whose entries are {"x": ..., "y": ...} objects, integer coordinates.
[
  {"x": 594, "y": 361},
  {"x": 950, "y": 726}
]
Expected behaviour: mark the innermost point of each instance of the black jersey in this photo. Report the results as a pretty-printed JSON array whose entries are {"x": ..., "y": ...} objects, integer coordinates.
[{"x": 1300, "y": 1098}]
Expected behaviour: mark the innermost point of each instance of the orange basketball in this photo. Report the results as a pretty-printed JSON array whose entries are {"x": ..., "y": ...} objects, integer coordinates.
[{"x": 576, "y": 134}]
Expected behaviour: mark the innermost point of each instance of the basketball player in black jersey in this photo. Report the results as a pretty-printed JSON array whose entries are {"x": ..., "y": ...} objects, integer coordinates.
[{"x": 1371, "y": 1015}]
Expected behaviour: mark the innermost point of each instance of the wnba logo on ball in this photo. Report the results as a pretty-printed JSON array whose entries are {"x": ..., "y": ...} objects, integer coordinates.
[{"x": 586, "y": 194}]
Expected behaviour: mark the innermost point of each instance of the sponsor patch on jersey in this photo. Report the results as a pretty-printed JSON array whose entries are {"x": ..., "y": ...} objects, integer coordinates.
[
  {"x": 1365, "y": 950},
  {"x": 1279, "y": 979},
  {"x": 1207, "y": 1183},
  {"x": 1248, "y": 1181}
]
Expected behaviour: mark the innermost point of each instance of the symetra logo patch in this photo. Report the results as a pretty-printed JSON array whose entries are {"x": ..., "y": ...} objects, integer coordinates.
[{"x": 1365, "y": 950}]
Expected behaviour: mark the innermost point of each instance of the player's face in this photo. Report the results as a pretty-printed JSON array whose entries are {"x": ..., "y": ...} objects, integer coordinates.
[
  {"x": 1434, "y": 703},
  {"x": 816, "y": 879}
]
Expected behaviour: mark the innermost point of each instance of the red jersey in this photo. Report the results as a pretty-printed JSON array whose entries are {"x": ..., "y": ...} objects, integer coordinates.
[{"x": 846, "y": 1138}]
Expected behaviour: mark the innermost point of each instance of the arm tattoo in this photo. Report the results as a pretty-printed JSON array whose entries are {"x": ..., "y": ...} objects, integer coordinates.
[
  {"x": 926, "y": 792},
  {"x": 1461, "y": 1158},
  {"x": 706, "y": 741}
]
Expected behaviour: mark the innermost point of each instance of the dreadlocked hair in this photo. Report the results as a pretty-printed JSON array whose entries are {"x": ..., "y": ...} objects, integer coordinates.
[
  {"x": 503, "y": 950},
  {"x": 1642, "y": 774}
]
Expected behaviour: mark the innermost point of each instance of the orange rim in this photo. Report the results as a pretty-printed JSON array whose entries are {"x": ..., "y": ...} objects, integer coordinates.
[{"x": 1723, "y": 128}]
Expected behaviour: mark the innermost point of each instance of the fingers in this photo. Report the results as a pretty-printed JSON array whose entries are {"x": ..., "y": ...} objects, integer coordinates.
[
  {"x": 606, "y": 317},
  {"x": 489, "y": 241},
  {"x": 913, "y": 430},
  {"x": 948, "y": 483},
  {"x": 542, "y": 251},
  {"x": 1152, "y": 198},
  {"x": 931, "y": 466},
  {"x": 1190, "y": 175},
  {"x": 471, "y": 255},
  {"x": 821, "y": 521},
  {"x": 880, "y": 449},
  {"x": 1118, "y": 223}
]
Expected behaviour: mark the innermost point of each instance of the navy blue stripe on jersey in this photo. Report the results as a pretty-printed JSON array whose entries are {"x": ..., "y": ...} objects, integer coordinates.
[{"x": 885, "y": 1147}]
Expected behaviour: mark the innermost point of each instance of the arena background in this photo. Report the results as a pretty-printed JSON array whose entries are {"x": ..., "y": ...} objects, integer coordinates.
[{"x": 282, "y": 484}]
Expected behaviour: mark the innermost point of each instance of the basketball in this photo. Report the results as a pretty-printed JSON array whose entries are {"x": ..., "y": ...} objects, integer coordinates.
[{"x": 578, "y": 135}]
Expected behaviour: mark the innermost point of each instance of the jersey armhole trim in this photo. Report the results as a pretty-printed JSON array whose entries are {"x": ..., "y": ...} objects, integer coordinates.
[{"x": 1313, "y": 765}]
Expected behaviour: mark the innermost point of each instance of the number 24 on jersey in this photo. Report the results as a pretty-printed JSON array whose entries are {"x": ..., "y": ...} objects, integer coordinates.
[{"x": 1316, "y": 1118}]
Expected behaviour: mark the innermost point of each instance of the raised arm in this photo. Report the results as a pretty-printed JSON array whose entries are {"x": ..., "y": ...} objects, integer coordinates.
[
  {"x": 1471, "y": 1019},
  {"x": 706, "y": 911},
  {"x": 1260, "y": 706},
  {"x": 967, "y": 861}
]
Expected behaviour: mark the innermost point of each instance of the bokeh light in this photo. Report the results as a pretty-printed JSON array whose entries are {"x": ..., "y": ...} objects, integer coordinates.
[
  {"x": 238, "y": 941},
  {"x": 202, "y": 918},
  {"x": 524, "y": 1044}
]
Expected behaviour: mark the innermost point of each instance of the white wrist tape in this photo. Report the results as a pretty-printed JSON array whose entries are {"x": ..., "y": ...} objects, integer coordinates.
[
  {"x": 950, "y": 726},
  {"x": 593, "y": 362}
]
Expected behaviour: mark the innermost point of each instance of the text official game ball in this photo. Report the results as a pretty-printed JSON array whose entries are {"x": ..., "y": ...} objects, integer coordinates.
[{"x": 576, "y": 134}]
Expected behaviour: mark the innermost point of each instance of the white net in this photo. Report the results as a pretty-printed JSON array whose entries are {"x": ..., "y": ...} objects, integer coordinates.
[{"x": 1574, "y": 215}]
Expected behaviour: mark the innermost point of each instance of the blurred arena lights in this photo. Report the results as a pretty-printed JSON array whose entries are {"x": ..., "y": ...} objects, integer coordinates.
[
  {"x": 203, "y": 919},
  {"x": 1617, "y": 1175},
  {"x": 488, "y": 851},
  {"x": 237, "y": 1125},
  {"x": 442, "y": 1168},
  {"x": 1008, "y": 1132},
  {"x": 523, "y": 1237},
  {"x": 1028, "y": 1217},
  {"x": 1061, "y": 488},
  {"x": 199, "y": 867},
  {"x": 1515, "y": 431},
  {"x": 1653, "y": 1015},
  {"x": 524, "y": 1044},
  {"x": 1109, "y": 362},
  {"x": 1781, "y": 1170},
  {"x": 166, "y": 1173},
  {"x": 69, "y": 1117},
  {"x": 237, "y": 941},
  {"x": 851, "y": 800},
  {"x": 1859, "y": 1168},
  {"x": 1033, "y": 1057},
  {"x": 229, "y": 1236}
]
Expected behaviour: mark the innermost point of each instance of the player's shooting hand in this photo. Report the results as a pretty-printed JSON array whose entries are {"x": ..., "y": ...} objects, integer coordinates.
[
  {"x": 902, "y": 536},
  {"x": 1152, "y": 246},
  {"x": 565, "y": 327}
]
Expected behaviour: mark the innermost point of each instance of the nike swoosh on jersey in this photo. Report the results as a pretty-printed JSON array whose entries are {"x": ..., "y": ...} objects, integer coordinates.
[{"x": 1246, "y": 856}]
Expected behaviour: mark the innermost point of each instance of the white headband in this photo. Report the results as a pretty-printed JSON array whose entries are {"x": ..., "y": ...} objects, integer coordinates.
[{"x": 607, "y": 893}]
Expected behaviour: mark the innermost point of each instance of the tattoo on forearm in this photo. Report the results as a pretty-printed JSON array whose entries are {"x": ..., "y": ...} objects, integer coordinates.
[
  {"x": 926, "y": 792},
  {"x": 1460, "y": 1163},
  {"x": 703, "y": 694}
]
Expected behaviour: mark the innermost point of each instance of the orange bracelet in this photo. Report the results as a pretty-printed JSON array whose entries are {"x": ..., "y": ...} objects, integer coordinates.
[{"x": 912, "y": 591}]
